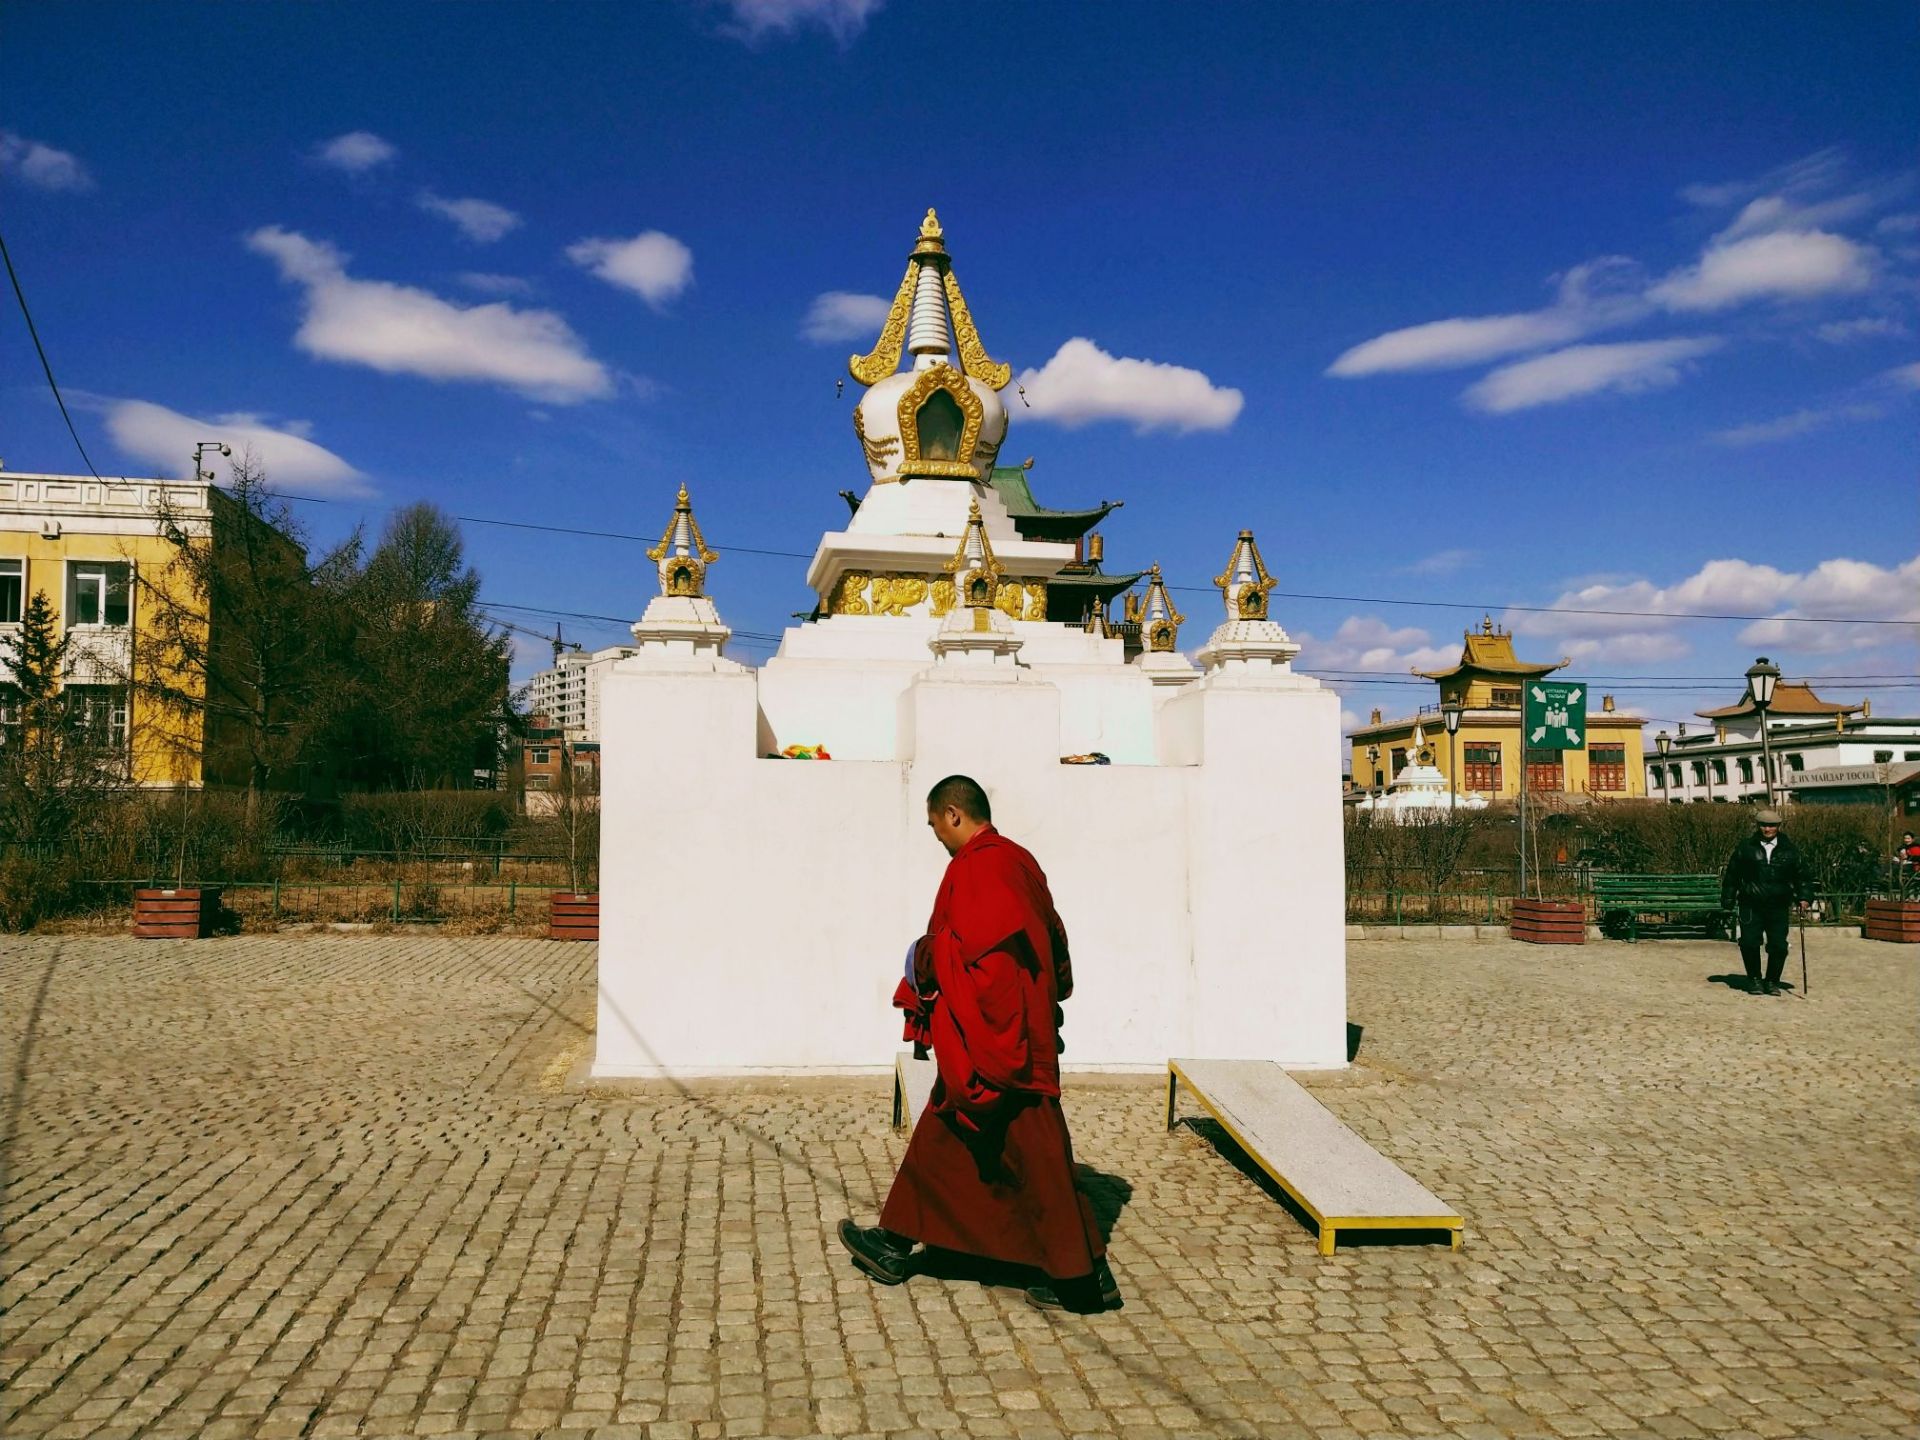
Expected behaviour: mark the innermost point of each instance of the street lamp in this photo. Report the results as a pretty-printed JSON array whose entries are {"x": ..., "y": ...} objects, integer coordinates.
[
  {"x": 1762, "y": 676},
  {"x": 1450, "y": 710},
  {"x": 1662, "y": 743},
  {"x": 1373, "y": 769}
]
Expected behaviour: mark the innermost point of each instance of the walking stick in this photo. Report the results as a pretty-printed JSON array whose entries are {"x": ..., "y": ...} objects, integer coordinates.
[{"x": 1803, "y": 954}]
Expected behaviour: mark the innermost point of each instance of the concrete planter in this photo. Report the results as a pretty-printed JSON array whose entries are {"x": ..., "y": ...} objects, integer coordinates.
[
  {"x": 1894, "y": 920},
  {"x": 573, "y": 917},
  {"x": 1549, "y": 922},
  {"x": 174, "y": 914}
]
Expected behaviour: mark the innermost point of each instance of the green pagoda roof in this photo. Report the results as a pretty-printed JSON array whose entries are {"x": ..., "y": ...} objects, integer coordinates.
[{"x": 1035, "y": 521}]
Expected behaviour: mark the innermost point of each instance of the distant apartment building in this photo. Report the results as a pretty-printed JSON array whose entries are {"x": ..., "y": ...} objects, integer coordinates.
[
  {"x": 1818, "y": 749},
  {"x": 95, "y": 547},
  {"x": 568, "y": 693}
]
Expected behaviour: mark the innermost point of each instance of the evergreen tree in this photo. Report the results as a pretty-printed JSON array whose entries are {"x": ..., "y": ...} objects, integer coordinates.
[{"x": 53, "y": 769}]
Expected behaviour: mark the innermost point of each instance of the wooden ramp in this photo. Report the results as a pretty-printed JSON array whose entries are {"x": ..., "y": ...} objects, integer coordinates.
[
  {"x": 1334, "y": 1175},
  {"x": 912, "y": 1085}
]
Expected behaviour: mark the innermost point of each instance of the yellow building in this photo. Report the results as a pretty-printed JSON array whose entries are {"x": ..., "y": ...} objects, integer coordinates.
[
  {"x": 95, "y": 548},
  {"x": 1488, "y": 683}
]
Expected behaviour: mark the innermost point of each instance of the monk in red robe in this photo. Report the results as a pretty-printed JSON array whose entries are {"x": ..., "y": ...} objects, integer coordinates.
[{"x": 989, "y": 1171}]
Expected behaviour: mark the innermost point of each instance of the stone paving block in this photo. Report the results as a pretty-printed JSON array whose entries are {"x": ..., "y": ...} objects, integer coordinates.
[{"x": 315, "y": 1185}]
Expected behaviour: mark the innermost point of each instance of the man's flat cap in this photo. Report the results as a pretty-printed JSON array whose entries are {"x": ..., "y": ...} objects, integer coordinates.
[{"x": 1767, "y": 817}]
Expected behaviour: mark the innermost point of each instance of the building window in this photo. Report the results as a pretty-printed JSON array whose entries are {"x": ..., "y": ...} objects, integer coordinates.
[
  {"x": 13, "y": 589},
  {"x": 1911, "y": 754},
  {"x": 99, "y": 713},
  {"x": 1658, "y": 777},
  {"x": 1483, "y": 768},
  {"x": 1883, "y": 757},
  {"x": 539, "y": 782},
  {"x": 541, "y": 756},
  {"x": 1509, "y": 699},
  {"x": 1720, "y": 772},
  {"x": 1746, "y": 771},
  {"x": 98, "y": 593},
  {"x": 1546, "y": 770},
  {"x": 1607, "y": 767},
  {"x": 1699, "y": 772},
  {"x": 1673, "y": 776},
  {"x": 1399, "y": 760},
  {"x": 1796, "y": 763}
]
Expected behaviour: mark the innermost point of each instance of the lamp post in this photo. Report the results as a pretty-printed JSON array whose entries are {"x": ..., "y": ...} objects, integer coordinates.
[
  {"x": 1762, "y": 676},
  {"x": 1373, "y": 769},
  {"x": 1450, "y": 712},
  {"x": 1662, "y": 743}
]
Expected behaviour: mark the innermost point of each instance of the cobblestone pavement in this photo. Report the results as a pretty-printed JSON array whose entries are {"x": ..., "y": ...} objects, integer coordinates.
[{"x": 323, "y": 1186}]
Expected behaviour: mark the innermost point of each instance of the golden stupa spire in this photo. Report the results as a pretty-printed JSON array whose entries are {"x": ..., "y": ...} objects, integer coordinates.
[
  {"x": 929, "y": 251},
  {"x": 682, "y": 553}
]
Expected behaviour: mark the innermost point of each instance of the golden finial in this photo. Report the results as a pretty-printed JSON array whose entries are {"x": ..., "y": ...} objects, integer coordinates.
[
  {"x": 932, "y": 237},
  {"x": 973, "y": 505},
  {"x": 682, "y": 552}
]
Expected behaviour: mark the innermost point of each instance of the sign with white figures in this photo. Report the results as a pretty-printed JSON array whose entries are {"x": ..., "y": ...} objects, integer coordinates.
[{"x": 1556, "y": 715}]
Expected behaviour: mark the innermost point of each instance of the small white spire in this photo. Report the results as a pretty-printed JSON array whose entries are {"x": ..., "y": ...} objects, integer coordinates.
[{"x": 927, "y": 335}]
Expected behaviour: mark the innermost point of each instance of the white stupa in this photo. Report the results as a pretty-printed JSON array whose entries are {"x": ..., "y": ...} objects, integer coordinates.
[
  {"x": 1420, "y": 790},
  {"x": 753, "y": 909}
]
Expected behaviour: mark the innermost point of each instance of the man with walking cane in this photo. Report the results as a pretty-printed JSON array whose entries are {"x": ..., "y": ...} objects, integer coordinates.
[{"x": 1764, "y": 878}]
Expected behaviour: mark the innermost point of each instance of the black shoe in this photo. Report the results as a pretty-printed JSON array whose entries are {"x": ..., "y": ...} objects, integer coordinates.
[
  {"x": 878, "y": 1253},
  {"x": 1773, "y": 988},
  {"x": 1755, "y": 985},
  {"x": 1088, "y": 1295}
]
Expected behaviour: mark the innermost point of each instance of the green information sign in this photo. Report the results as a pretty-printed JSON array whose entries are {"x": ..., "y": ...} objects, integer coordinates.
[{"x": 1556, "y": 715}]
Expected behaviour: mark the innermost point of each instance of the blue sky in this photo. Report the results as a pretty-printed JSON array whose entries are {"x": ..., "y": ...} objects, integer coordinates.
[{"x": 1609, "y": 306}]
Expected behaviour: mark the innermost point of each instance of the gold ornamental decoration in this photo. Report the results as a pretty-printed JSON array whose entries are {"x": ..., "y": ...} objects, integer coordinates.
[
  {"x": 884, "y": 358},
  {"x": 1036, "y": 600},
  {"x": 942, "y": 596},
  {"x": 896, "y": 594},
  {"x": 973, "y": 414},
  {"x": 973, "y": 355},
  {"x": 878, "y": 452},
  {"x": 849, "y": 595}
]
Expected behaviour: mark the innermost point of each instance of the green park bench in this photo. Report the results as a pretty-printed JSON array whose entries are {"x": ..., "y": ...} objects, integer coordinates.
[{"x": 1620, "y": 900}]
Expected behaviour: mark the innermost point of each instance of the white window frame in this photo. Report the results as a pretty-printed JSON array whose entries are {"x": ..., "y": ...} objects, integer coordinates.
[
  {"x": 96, "y": 575},
  {"x": 18, "y": 569}
]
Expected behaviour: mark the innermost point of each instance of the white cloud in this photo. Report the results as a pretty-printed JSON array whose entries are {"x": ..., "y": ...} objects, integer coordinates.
[
  {"x": 838, "y": 315},
  {"x": 1817, "y": 173},
  {"x": 1898, "y": 225},
  {"x": 1442, "y": 562},
  {"x": 842, "y": 19},
  {"x": 165, "y": 438},
  {"x": 356, "y": 152},
  {"x": 1785, "y": 265},
  {"x": 489, "y": 284},
  {"x": 1591, "y": 297},
  {"x": 1867, "y": 327},
  {"x": 1905, "y": 376},
  {"x": 1800, "y": 422},
  {"x": 1368, "y": 643},
  {"x": 481, "y": 221},
  {"x": 653, "y": 265},
  {"x": 398, "y": 329},
  {"x": 1840, "y": 589},
  {"x": 1626, "y": 368},
  {"x": 1083, "y": 383},
  {"x": 42, "y": 166}
]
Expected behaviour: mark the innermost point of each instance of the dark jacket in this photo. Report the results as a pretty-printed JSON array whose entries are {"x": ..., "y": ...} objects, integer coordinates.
[{"x": 1750, "y": 880}]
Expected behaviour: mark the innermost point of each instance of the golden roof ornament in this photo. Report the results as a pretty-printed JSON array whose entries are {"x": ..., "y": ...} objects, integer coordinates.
[
  {"x": 682, "y": 553},
  {"x": 1159, "y": 621},
  {"x": 1245, "y": 582},
  {"x": 929, "y": 256}
]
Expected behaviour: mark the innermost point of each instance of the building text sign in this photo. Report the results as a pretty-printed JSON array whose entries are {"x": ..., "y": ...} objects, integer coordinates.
[{"x": 1556, "y": 715}]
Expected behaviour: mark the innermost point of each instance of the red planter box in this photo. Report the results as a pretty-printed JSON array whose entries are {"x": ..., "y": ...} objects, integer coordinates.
[
  {"x": 1895, "y": 920},
  {"x": 1549, "y": 922},
  {"x": 573, "y": 917},
  {"x": 174, "y": 914}
]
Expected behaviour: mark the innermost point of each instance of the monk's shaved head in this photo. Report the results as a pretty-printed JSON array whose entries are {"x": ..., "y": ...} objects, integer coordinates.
[{"x": 964, "y": 794}]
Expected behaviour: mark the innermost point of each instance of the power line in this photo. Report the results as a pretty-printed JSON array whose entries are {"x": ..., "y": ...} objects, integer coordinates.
[
  {"x": 1482, "y": 606},
  {"x": 41, "y": 350}
]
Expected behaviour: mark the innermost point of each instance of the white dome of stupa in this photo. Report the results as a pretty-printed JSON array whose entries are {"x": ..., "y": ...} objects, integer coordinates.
[{"x": 934, "y": 418}]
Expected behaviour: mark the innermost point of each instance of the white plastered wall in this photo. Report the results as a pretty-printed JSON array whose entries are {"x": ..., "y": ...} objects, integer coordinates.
[{"x": 754, "y": 913}]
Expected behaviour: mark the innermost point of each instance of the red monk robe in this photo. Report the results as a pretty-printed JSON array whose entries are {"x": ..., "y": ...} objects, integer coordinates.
[{"x": 989, "y": 1170}]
